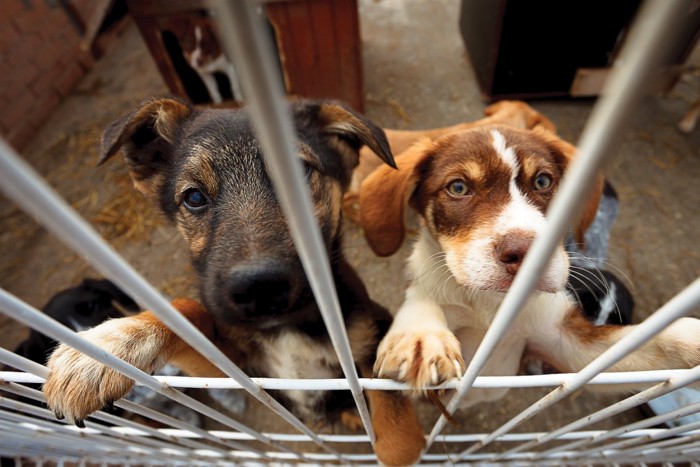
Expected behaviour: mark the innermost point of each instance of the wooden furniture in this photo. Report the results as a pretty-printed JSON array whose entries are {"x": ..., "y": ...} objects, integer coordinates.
[{"x": 318, "y": 44}]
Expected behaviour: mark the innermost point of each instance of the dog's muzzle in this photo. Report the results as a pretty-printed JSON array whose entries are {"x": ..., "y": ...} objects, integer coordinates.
[{"x": 262, "y": 289}]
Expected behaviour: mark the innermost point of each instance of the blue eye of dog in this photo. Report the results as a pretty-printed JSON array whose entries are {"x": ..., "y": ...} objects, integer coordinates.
[
  {"x": 543, "y": 181},
  {"x": 194, "y": 199},
  {"x": 458, "y": 188}
]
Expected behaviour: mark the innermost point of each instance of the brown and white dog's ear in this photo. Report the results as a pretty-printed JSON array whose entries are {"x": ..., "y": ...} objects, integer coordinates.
[
  {"x": 353, "y": 130},
  {"x": 384, "y": 198},
  {"x": 588, "y": 213},
  {"x": 146, "y": 136},
  {"x": 520, "y": 114}
]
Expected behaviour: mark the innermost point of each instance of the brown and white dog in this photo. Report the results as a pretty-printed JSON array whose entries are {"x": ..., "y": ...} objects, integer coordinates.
[
  {"x": 481, "y": 193},
  {"x": 204, "y": 169},
  {"x": 202, "y": 51}
]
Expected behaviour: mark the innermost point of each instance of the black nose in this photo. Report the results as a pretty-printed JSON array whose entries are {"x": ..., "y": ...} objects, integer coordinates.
[{"x": 261, "y": 289}]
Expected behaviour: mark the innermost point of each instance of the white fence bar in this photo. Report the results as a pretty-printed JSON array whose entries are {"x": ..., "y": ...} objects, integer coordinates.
[
  {"x": 138, "y": 428},
  {"x": 632, "y": 401},
  {"x": 444, "y": 438},
  {"x": 483, "y": 382},
  {"x": 690, "y": 429},
  {"x": 28, "y": 190},
  {"x": 679, "y": 306},
  {"x": 29, "y": 316},
  {"x": 606, "y": 435},
  {"x": 640, "y": 55},
  {"x": 39, "y": 373},
  {"x": 70, "y": 444},
  {"x": 95, "y": 432},
  {"x": 642, "y": 52},
  {"x": 252, "y": 53}
]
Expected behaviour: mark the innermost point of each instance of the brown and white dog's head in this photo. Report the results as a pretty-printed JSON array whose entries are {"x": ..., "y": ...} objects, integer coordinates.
[
  {"x": 198, "y": 41},
  {"x": 482, "y": 194},
  {"x": 204, "y": 169}
]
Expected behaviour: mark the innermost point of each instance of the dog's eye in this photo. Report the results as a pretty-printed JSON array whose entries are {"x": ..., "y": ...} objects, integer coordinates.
[
  {"x": 308, "y": 169},
  {"x": 194, "y": 199},
  {"x": 458, "y": 188},
  {"x": 543, "y": 181}
]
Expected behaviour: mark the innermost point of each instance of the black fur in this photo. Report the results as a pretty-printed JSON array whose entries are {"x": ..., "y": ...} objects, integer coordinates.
[{"x": 81, "y": 307}]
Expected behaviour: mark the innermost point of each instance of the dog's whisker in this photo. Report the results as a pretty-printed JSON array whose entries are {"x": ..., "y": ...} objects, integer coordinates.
[{"x": 601, "y": 284}]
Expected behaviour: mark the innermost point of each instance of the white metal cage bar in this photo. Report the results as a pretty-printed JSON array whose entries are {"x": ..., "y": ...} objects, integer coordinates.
[
  {"x": 40, "y": 372},
  {"x": 30, "y": 431},
  {"x": 251, "y": 50},
  {"x": 642, "y": 52}
]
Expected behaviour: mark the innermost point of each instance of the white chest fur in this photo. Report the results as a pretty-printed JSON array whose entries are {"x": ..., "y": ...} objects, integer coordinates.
[{"x": 295, "y": 355}]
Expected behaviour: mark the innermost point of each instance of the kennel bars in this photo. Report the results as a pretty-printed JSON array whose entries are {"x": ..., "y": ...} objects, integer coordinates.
[{"x": 33, "y": 432}]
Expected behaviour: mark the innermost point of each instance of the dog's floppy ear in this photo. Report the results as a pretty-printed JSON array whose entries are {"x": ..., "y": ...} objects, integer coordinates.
[
  {"x": 520, "y": 112},
  {"x": 355, "y": 130},
  {"x": 384, "y": 197},
  {"x": 146, "y": 136},
  {"x": 568, "y": 151}
]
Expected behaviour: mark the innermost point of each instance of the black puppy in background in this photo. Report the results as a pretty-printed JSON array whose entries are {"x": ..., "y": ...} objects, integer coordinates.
[
  {"x": 82, "y": 307},
  {"x": 91, "y": 303}
]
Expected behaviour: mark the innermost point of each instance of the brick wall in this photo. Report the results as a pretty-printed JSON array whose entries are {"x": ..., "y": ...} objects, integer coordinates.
[{"x": 40, "y": 61}]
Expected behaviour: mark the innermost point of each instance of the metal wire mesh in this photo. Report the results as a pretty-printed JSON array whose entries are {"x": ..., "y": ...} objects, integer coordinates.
[{"x": 29, "y": 431}]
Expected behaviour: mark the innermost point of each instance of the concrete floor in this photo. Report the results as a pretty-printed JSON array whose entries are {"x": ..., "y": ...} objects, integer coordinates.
[{"x": 415, "y": 78}]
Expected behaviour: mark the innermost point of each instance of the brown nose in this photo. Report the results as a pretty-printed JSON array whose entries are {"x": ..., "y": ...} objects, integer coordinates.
[{"x": 511, "y": 249}]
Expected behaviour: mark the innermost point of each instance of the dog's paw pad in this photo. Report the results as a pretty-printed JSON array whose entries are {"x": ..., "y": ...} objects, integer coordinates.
[{"x": 420, "y": 358}]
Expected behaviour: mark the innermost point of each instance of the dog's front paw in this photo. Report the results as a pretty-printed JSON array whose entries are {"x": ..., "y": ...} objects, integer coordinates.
[
  {"x": 78, "y": 385},
  {"x": 420, "y": 359},
  {"x": 680, "y": 343}
]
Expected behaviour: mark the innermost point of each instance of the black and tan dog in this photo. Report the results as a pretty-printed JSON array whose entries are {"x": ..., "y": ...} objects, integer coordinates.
[{"x": 203, "y": 168}]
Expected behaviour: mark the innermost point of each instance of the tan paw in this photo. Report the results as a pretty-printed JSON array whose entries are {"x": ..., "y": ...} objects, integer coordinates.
[
  {"x": 680, "y": 343},
  {"x": 420, "y": 359},
  {"x": 78, "y": 385}
]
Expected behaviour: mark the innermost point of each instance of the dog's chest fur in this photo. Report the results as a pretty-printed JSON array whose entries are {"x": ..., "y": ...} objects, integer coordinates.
[{"x": 292, "y": 354}]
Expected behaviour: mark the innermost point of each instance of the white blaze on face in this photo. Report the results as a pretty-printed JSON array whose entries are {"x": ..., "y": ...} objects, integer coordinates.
[
  {"x": 519, "y": 213},
  {"x": 197, "y": 52},
  {"x": 474, "y": 264}
]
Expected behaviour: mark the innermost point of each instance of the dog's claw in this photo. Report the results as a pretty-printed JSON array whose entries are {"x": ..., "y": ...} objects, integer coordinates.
[
  {"x": 59, "y": 415},
  {"x": 420, "y": 359},
  {"x": 403, "y": 370},
  {"x": 79, "y": 423},
  {"x": 459, "y": 368},
  {"x": 434, "y": 377}
]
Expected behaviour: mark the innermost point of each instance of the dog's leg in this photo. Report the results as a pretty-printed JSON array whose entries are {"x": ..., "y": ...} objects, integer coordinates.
[
  {"x": 400, "y": 438},
  {"x": 233, "y": 80},
  {"x": 419, "y": 348},
  {"x": 212, "y": 87},
  {"x": 573, "y": 342},
  {"x": 77, "y": 385}
]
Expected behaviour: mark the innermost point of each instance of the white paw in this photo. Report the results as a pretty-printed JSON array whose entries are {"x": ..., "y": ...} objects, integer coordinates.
[
  {"x": 78, "y": 385},
  {"x": 681, "y": 343},
  {"x": 420, "y": 359}
]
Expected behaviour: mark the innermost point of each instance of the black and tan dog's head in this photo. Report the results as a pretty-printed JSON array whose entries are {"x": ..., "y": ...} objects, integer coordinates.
[
  {"x": 483, "y": 194},
  {"x": 204, "y": 169}
]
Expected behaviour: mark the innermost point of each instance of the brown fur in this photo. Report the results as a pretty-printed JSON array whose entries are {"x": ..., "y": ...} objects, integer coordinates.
[
  {"x": 386, "y": 194},
  {"x": 512, "y": 113},
  {"x": 204, "y": 169}
]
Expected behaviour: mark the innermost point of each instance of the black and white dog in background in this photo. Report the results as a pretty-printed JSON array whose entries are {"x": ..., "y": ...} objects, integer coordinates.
[{"x": 603, "y": 296}]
